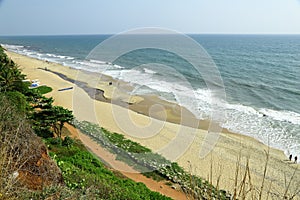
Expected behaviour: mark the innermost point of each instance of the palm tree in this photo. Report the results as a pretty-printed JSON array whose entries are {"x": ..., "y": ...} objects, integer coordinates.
[{"x": 10, "y": 75}]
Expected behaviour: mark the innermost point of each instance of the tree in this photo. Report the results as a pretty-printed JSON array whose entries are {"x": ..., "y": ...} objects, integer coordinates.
[
  {"x": 42, "y": 102},
  {"x": 38, "y": 108},
  {"x": 42, "y": 121},
  {"x": 41, "y": 113},
  {"x": 60, "y": 116},
  {"x": 10, "y": 75},
  {"x": 48, "y": 116}
]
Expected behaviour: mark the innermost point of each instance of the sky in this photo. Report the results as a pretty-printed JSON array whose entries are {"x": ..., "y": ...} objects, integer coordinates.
[{"x": 60, "y": 17}]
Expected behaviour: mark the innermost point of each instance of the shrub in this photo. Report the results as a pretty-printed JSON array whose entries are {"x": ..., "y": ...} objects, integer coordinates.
[
  {"x": 18, "y": 100},
  {"x": 85, "y": 175},
  {"x": 68, "y": 141},
  {"x": 55, "y": 141}
]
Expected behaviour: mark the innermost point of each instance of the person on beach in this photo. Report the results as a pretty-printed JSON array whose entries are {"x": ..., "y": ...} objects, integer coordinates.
[
  {"x": 291, "y": 156},
  {"x": 296, "y": 158}
]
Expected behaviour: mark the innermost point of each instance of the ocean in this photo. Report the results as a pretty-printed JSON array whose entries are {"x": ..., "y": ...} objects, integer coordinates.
[{"x": 261, "y": 75}]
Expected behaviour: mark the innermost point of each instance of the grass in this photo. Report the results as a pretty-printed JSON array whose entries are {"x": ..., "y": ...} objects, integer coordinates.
[
  {"x": 43, "y": 89},
  {"x": 84, "y": 173}
]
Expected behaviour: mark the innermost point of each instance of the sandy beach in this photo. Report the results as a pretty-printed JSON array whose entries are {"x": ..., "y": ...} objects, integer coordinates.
[{"x": 166, "y": 128}]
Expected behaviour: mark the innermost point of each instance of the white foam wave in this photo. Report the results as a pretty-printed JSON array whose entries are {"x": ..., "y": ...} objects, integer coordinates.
[
  {"x": 50, "y": 55},
  {"x": 279, "y": 129},
  {"x": 118, "y": 66},
  {"x": 244, "y": 109},
  {"x": 149, "y": 71},
  {"x": 12, "y": 47},
  {"x": 59, "y": 56},
  {"x": 42, "y": 56},
  {"x": 284, "y": 116},
  {"x": 98, "y": 62}
]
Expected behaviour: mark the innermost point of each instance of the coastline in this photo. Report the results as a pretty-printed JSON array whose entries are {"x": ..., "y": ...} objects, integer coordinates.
[{"x": 221, "y": 161}]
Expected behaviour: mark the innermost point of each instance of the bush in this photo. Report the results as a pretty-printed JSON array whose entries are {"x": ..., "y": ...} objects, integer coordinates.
[
  {"x": 18, "y": 100},
  {"x": 55, "y": 141},
  {"x": 84, "y": 174},
  {"x": 68, "y": 141}
]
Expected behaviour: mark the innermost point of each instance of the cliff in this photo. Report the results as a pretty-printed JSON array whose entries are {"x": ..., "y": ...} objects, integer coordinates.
[{"x": 24, "y": 160}]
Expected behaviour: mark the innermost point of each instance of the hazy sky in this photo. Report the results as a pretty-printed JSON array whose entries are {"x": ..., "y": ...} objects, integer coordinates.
[{"x": 40, "y": 17}]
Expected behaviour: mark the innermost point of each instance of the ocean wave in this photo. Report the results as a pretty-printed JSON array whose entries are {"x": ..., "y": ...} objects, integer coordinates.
[
  {"x": 99, "y": 62},
  {"x": 49, "y": 55},
  {"x": 277, "y": 128},
  {"x": 90, "y": 65},
  {"x": 12, "y": 47},
  {"x": 149, "y": 71},
  {"x": 284, "y": 116},
  {"x": 243, "y": 109}
]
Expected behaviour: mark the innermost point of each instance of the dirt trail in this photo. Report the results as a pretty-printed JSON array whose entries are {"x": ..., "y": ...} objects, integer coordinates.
[{"x": 123, "y": 168}]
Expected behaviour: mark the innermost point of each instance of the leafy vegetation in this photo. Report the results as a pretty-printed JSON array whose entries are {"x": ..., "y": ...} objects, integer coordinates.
[
  {"x": 59, "y": 116},
  {"x": 10, "y": 75},
  {"x": 46, "y": 117},
  {"x": 83, "y": 172},
  {"x": 18, "y": 100}
]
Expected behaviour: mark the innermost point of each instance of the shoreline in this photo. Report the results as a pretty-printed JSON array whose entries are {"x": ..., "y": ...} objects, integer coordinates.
[
  {"x": 222, "y": 160},
  {"x": 175, "y": 112}
]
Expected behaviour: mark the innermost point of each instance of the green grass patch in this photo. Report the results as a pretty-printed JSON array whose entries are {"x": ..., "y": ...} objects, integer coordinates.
[{"x": 43, "y": 89}]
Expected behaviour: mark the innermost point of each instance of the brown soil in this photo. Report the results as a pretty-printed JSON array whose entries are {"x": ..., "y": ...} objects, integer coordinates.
[{"x": 39, "y": 170}]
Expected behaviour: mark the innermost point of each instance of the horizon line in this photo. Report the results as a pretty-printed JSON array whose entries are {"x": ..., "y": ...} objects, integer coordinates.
[{"x": 94, "y": 34}]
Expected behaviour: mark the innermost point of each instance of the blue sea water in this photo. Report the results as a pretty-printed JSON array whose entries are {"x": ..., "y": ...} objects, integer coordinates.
[{"x": 261, "y": 75}]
